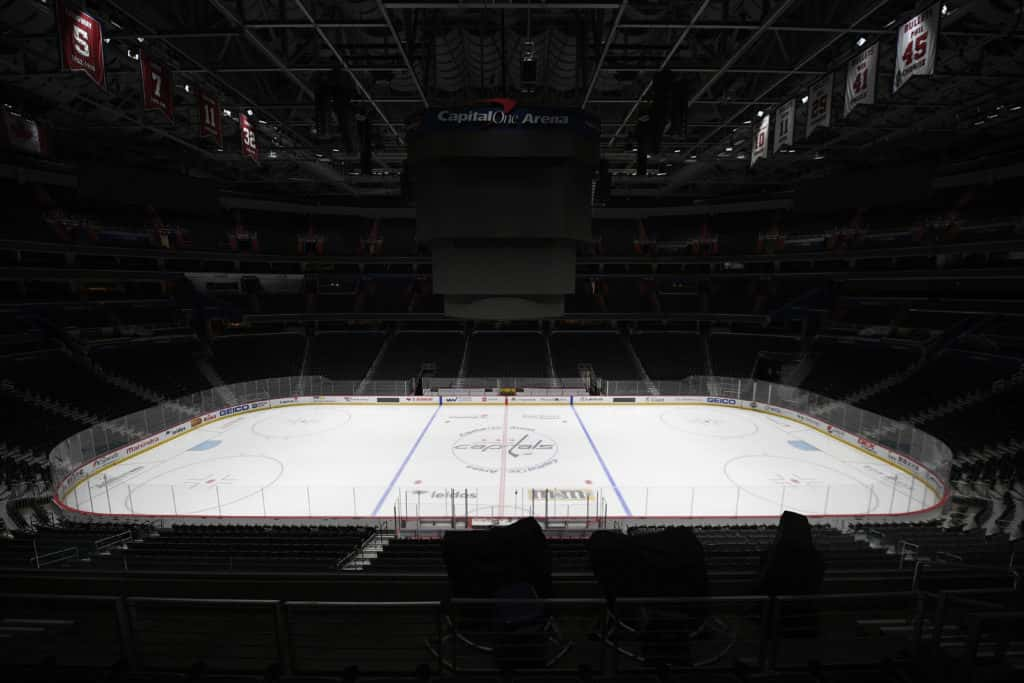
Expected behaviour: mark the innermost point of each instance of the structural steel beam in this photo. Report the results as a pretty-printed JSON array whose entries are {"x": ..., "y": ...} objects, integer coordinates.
[
  {"x": 401, "y": 50},
  {"x": 671, "y": 53},
  {"x": 676, "y": 179},
  {"x": 604, "y": 53}
]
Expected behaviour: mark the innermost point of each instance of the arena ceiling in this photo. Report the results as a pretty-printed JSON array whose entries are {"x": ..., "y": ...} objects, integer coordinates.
[{"x": 737, "y": 57}]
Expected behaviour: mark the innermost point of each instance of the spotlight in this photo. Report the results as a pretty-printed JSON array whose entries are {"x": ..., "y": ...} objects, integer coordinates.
[
  {"x": 248, "y": 112},
  {"x": 803, "y": 100},
  {"x": 861, "y": 41},
  {"x": 528, "y": 68}
]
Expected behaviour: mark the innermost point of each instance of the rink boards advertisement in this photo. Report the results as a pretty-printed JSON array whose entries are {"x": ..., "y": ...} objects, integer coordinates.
[{"x": 901, "y": 461}]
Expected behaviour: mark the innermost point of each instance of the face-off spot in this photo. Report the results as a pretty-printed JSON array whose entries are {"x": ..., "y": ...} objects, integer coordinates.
[
  {"x": 717, "y": 423},
  {"x": 231, "y": 483},
  {"x": 293, "y": 424}
]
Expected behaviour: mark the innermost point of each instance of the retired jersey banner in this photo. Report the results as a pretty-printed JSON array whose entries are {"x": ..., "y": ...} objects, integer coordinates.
[
  {"x": 916, "y": 45},
  {"x": 785, "y": 118},
  {"x": 819, "y": 105},
  {"x": 759, "y": 150},
  {"x": 81, "y": 43},
  {"x": 861, "y": 74},
  {"x": 209, "y": 118},
  {"x": 248, "y": 138},
  {"x": 157, "y": 87}
]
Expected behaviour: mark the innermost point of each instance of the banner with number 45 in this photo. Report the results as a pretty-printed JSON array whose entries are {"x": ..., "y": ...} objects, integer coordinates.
[{"x": 916, "y": 46}]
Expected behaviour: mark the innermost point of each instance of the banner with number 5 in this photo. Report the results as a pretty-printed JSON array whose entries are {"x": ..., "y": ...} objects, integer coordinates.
[
  {"x": 916, "y": 45},
  {"x": 861, "y": 73},
  {"x": 81, "y": 43},
  {"x": 248, "y": 138},
  {"x": 209, "y": 118},
  {"x": 157, "y": 87}
]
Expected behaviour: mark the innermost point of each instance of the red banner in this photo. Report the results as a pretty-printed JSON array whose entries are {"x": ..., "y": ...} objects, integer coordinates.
[
  {"x": 248, "y": 138},
  {"x": 209, "y": 118},
  {"x": 81, "y": 43},
  {"x": 23, "y": 134},
  {"x": 157, "y": 87}
]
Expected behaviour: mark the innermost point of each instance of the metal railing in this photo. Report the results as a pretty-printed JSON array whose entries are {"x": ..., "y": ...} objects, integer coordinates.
[
  {"x": 470, "y": 385},
  {"x": 538, "y": 637}
]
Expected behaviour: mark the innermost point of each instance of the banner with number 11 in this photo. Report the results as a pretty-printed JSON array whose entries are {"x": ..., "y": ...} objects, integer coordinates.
[{"x": 209, "y": 118}]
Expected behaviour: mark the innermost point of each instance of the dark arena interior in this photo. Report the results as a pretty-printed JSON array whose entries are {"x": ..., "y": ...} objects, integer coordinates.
[{"x": 512, "y": 340}]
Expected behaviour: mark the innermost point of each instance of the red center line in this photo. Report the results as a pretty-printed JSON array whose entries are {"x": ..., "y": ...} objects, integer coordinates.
[{"x": 504, "y": 455}]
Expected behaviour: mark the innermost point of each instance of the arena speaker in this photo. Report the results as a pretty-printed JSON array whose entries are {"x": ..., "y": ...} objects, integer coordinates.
[{"x": 503, "y": 195}]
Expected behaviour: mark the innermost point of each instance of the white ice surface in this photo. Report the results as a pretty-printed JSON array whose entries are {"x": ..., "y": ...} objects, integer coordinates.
[{"x": 642, "y": 460}]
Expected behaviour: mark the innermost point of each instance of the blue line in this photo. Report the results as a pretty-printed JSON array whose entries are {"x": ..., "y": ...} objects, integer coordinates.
[
  {"x": 611, "y": 479},
  {"x": 405, "y": 462}
]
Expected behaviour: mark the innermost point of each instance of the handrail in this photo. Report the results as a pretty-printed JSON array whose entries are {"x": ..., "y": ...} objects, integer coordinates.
[
  {"x": 112, "y": 540},
  {"x": 436, "y": 629},
  {"x": 55, "y": 556}
]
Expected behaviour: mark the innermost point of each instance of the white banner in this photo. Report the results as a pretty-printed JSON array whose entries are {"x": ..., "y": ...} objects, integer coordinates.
[
  {"x": 916, "y": 45},
  {"x": 819, "y": 105},
  {"x": 861, "y": 74},
  {"x": 759, "y": 149},
  {"x": 785, "y": 118}
]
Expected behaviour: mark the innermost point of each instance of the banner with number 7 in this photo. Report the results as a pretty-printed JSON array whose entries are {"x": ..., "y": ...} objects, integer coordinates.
[
  {"x": 157, "y": 87},
  {"x": 916, "y": 46}
]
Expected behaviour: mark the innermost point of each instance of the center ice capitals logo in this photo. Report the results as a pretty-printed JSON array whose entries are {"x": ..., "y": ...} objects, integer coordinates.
[{"x": 527, "y": 449}]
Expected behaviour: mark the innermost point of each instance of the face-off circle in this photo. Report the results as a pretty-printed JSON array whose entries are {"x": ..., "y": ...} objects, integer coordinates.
[
  {"x": 717, "y": 423},
  {"x": 210, "y": 486},
  {"x": 527, "y": 449},
  {"x": 796, "y": 483},
  {"x": 288, "y": 424}
]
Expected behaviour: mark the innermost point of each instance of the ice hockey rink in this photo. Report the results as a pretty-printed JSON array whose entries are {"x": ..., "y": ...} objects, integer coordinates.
[{"x": 650, "y": 460}]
